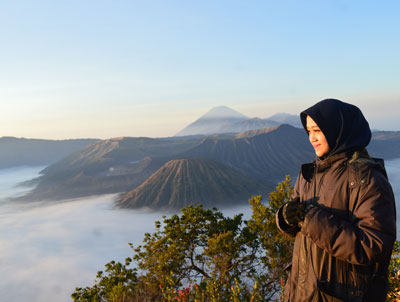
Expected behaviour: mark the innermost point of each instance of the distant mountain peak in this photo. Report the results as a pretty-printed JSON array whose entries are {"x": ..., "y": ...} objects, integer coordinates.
[
  {"x": 213, "y": 121},
  {"x": 280, "y": 115},
  {"x": 224, "y": 112},
  {"x": 222, "y": 119}
]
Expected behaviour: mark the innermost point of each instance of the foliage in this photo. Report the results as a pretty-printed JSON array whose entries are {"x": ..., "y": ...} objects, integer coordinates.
[
  {"x": 277, "y": 248},
  {"x": 200, "y": 245},
  {"x": 394, "y": 274},
  {"x": 118, "y": 282},
  {"x": 203, "y": 256}
]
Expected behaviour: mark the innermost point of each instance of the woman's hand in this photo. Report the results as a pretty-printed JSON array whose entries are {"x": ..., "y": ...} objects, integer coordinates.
[{"x": 293, "y": 212}]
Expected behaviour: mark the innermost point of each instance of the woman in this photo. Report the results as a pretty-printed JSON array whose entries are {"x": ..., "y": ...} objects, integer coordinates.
[{"x": 342, "y": 212}]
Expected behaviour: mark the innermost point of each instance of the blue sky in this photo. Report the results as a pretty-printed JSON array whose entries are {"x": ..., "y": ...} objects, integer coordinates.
[{"x": 103, "y": 69}]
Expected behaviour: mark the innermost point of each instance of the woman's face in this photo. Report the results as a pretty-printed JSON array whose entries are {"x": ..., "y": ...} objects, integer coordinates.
[{"x": 316, "y": 137}]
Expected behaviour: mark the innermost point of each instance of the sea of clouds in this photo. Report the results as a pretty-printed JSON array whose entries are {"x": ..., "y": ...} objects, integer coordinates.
[{"x": 48, "y": 249}]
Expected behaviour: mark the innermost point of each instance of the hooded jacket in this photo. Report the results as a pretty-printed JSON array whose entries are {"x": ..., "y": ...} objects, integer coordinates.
[{"x": 342, "y": 249}]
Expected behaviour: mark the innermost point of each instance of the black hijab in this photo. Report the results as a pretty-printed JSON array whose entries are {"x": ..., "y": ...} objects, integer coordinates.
[{"x": 344, "y": 126}]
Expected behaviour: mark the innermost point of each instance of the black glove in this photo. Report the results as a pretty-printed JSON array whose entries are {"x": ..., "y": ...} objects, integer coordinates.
[{"x": 294, "y": 211}]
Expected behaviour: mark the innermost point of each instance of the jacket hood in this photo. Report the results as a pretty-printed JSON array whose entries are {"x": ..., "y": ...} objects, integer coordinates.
[{"x": 344, "y": 126}]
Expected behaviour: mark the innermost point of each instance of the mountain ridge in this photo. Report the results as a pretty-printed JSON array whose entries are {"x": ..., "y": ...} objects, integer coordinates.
[
  {"x": 37, "y": 152},
  {"x": 226, "y": 120}
]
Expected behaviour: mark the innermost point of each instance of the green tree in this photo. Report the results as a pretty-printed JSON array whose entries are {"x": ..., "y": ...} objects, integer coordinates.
[
  {"x": 276, "y": 247},
  {"x": 198, "y": 246},
  {"x": 116, "y": 284}
]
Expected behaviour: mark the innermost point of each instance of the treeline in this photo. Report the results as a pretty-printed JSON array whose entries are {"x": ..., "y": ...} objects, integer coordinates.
[{"x": 203, "y": 256}]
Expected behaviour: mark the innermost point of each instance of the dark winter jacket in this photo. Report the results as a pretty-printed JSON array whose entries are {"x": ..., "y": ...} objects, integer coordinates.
[{"x": 343, "y": 248}]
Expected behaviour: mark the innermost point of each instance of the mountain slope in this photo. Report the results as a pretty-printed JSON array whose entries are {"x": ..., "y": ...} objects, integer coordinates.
[
  {"x": 109, "y": 166},
  {"x": 186, "y": 181},
  {"x": 247, "y": 125},
  {"x": 255, "y": 132},
  {"x": 100, "y": 157},
  {"x": 114, "y": 180}
]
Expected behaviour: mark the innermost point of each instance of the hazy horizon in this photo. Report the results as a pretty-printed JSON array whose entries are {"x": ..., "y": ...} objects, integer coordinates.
[{"x": 372, "y": 125}]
